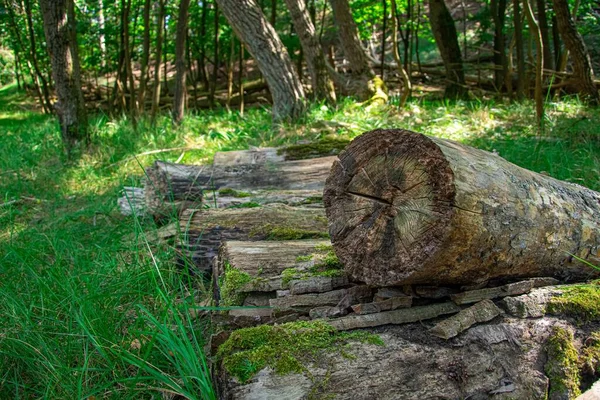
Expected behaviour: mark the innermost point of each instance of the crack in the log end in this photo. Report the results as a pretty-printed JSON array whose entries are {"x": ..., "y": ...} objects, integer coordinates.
[{"x": 372, "y": 198}]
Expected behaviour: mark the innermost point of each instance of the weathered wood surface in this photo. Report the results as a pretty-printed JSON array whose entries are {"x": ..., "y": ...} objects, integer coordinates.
[
  {"x": 473, "y": 296},
  {"x": 132, "y": 202},
  {"x": 483, "y": 311},
  {"x": 406, "y": 208},
  {"x": 392, "y": 303},
  {"x": 501, "y": 357},
  {"x": 203, "y": 231},
  {"x": 268, "y": 259},
  {"x": 317, "y": 284},
  {"x": 168, "y": 183},
  {"x": 221, "y": 199},
  {"x": 306, "y": 302},
  {"x": 401, "y": 316},
  {"x": 172, "y": 187},
  {"x": 501, "y": 360}
]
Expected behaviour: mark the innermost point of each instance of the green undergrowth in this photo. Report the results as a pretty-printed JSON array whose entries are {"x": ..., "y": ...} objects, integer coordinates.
[
  {"x": 562, "y": 366},
  {"x": 286, "y": 348},
  {"x": 79, "y": 284},
  {"x": 581, "y": 302}
]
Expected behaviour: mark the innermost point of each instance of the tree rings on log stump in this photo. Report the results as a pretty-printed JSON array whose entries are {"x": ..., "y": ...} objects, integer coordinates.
[{"x": 404, "y": 208}]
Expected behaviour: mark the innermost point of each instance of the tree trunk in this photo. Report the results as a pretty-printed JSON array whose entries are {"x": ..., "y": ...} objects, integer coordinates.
[
  {"x": 582, "y": 66},
  {"x": 128, "y": 69},
  {"x": 145, "y": 57},
  {"x": 322, "y": 84},
  {"x": 539, "y": 65},
  {"x": 34, "y": 60},
  {"x": 520, "y": 53},
  {"x": 264, "y": 44},
  {"x": 446, "y": 38},
  {"x": 383, "y": 34},
  {"x": 498, "y": 10},
  {"x": 18, "y": 42},
  {"x": 202, "y": 75},
  {"x": 101, "y": 35},
  {"x": 59, "y": 27},
  {"x": 556, "y": 43},
  {"x": 157, "y": 62},
  {"x": 362, "y": 72},
  {"x": 544, "y": 31},
  {"x": 406, "y": 85},
  {"x": 241, "y": 78},
  {"x": 404, "y": 208},
  {"x": 180, "y": 62},
  {"x": 215, "y": 70}
]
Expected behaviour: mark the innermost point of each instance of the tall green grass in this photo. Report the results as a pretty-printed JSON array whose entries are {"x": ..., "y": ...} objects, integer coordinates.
[{"x": 89, "y": 308}]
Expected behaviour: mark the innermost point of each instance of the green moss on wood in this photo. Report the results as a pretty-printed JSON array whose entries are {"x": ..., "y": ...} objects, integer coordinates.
[
  {"x": 231, "y": 282},
  {"x": 250, "y": 204},
  {"x": 581, "y": 302},
  {"x": 562, "y": 366},
  {"x": 324, "y": 263},
  {"x": 322, "y": 148},
  {"x": 233, "y": 193},
  {"x": 286, "y": 348}
]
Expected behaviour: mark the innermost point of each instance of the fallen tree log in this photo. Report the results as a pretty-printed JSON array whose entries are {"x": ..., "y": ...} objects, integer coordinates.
[
  {"x": 173, "y": 187},
  {"x": 202, "y": 231},
  {"x": 409, "y": 209}
]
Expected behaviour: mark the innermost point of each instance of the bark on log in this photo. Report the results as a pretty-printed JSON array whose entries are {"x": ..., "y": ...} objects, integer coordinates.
[
  {"x": 408, "y": 209},
  {"x": 202, "y": 231},
  {"x": 168, "y": 184}
]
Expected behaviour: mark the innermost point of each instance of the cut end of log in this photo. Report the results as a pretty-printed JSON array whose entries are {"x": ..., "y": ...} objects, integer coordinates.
[{"x": 389, "y": 198}]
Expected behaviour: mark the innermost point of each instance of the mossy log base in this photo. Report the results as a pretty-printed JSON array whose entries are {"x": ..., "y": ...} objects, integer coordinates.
[
  {"x": 409, "y": 209},
  {"x": 203, "y": 231},
  {"x": 264, "y": 261}
]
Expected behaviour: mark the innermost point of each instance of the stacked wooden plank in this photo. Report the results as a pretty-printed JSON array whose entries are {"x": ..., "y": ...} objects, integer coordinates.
[{"x": 282, "y": 281}]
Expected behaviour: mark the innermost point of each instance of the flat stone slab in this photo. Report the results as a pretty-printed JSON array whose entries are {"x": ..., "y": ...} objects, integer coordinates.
[
  {"x": 474, "y": 296},
  {"x": 392, "y": 303},
  {"x": 483, "y": 311},
  {"x": 531, "y": 305},
  {"x": 317, "y": 284},
  {"x": 312, "y": 300},
  {"x": 402, "y": 316}
]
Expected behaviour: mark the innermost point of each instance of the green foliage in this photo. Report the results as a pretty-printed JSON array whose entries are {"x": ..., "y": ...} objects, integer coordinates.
[
  {"x": 71, "y": 286},
  {"x": 7, "y": 67},
  {"x": 286, "y": 348},
  {"x": 87, "y": 306}
]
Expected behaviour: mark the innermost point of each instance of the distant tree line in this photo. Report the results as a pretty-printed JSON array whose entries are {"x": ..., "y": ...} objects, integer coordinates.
[{"x": 136, "y": 55}]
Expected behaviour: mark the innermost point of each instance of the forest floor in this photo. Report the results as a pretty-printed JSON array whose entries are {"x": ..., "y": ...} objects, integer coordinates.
[{"x": 88, "y": 308}]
